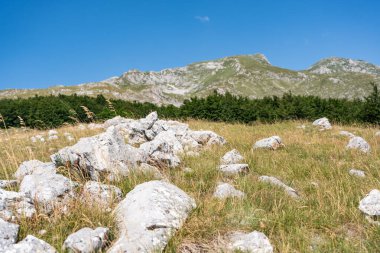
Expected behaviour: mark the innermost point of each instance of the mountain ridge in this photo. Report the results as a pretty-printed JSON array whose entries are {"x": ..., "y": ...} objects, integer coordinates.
[{"x": 247, "y": 75}]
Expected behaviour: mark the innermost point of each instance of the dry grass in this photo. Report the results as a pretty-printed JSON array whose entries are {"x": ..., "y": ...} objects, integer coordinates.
[{"x": 326, "y": 218}]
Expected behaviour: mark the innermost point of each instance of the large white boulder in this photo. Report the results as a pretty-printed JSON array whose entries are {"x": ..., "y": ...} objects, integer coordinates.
[
  {"x": 8, "y": 234},
  {"x": 34, "y": 167},
  {"x": 31, "y": 244},
  {"x": 322, "y": 123},
  {"x": 104, "y": 154},
  {"x": 164, "y": 149},
  {"x": 149, "y": 216},
  {"x": 233, "y": 169},
  {"x": 255, "y": 242},
  {"x": 47, "y": 190},
  {"x": 276, "y": 182},
  {"x": 232, "y": 157},
  {"x": 225, "y": 190},
  {"x": 86, "y": 240},
  {"x": 95, "y": 193},
  {"x": 359, "y": 143},
  {"x": 370, "y": 204},
  {"x": 15, "y": 204},
  {"x": 273, "y": 143}
]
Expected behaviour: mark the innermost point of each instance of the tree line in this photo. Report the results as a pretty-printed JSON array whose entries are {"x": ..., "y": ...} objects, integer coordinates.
[{"x": 52, "y": 111}]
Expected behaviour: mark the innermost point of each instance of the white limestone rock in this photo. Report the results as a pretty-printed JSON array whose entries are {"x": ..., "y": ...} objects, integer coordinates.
[
  {"x": 53, "y": 137},
  {"x": 225, "y": 190},
  {"x": 357, "y": 173},
  {"x": 370, "y": 204},
  {"x": 164, "y": 149},
  {"x": 52, "y": 132},
  {"x": 8, "y": 234},
  {"x": 15, "y": 204},
  {"x": 8, "y": 183},
  {"x": 101, "y": 194},
  {"x": 233, "y": 169},
  {"x": 273, "y": 143},
  {"x": 149, "y": 216},
  {"x": 254, "y": 242},
  {"x": 34, "y": 167},
  {"x": 86, "y": 240},
  {"x": 346, "y": 133},
  {"x": 149, "y": 120},
  {"x": 207, "y": 138},
  {"x": 105, "y": 155},
  {"x": 232, "y": 157},
  {"x": 322, "y": 123},
  {"x": 147, "y": 169},
  {"x": 31, "y": 244},
  {"x": 275, "y": 181},
  {"x": 118, "y": 120},
  {"x": 359, "y": 143},
  {"x": 48, "y": 190}
]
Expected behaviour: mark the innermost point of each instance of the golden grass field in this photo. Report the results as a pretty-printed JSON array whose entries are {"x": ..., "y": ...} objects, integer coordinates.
[{"x": 325, "y": 219}]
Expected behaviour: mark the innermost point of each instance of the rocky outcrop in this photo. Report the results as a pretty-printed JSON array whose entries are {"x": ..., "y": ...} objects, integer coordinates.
[
  {"x": 31, "y": 244},
  {"x": 232, "y": 157},
  {"x": 149, "y": 215},
  {"x": 225, "y": 190},
  {"x": 102, "y": 195},
  {"x": 273, "y": 143},
  {"x": 86, "y": 240},
  {"x": 254, "y": 242},
  {"x": 359, "y": 143},
  {"x": 276, "y": 182},
  {"x": 322, "y": 123},
  {"x": 34, "y": 167}
]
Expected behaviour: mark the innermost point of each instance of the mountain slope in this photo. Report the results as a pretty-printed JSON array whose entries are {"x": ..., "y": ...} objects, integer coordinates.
[{"x": 247, "y": 75}]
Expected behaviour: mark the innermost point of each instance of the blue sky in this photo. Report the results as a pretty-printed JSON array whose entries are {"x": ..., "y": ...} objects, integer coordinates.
[{"x": 44, "y": 43}]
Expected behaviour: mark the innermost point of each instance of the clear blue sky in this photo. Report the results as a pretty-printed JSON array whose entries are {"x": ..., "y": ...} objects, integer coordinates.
[{"x": 44, "y": 43}]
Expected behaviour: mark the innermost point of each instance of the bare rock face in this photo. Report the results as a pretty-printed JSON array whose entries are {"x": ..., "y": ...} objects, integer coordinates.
[
  {"x": 86, "y": 240},
  {"x": 232, "y": 157},
  {"x": 164, "y": 149},
  {"x": 274, "y": 181},
  {"x": 356, "y": 173},
  {"x": 322, "y": 123},
  {"x": 8, "y": 183},
  {"x": 104, "y": 154},
  {"x": 8, "y": 234},
  {"x": 14, "y": 205},
  {"x": 225, "y": 190},
  {"x": 48, "y": 190},
  {"x": 149, "y": 216},
  {"x": 273, "y": 143},
  {"x": 34, "y": 167},
  {"x": 359, "y": 143},
  {"x": 101, "y": 194},
  {"x": 255, "y": 242},
  {"x": 370, "y": 204},
  {"x": 30, "y": 244},
  {"x": 234, "y": 169}
]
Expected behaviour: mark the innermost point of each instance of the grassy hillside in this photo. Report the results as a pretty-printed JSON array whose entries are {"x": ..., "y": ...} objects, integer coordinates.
[{"x": 325, "y": 219}]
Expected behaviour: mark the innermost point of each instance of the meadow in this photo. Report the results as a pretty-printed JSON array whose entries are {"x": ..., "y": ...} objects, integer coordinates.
[{"x": 325, "y": 219}]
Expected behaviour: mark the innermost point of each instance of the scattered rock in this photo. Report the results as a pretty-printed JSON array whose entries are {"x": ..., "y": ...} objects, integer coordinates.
[
  {"x": 34, "y": 167},
  {"x": 31, "y": 244},
  {"x": 207, "y": 138},
  {"x": 101, "y": 194},
  {"x": 15, "y": 204},
  {"x": 377, "y": 134},
  {"x": 233, "y": 169},
  {"x": 359, "y": 143},
  {"x": 357, "y": 173},
  {"x": 370, "y": 204},
  {"x": 52, "y": 132},
  {"x": 301, "y": 127},
  {"x": 273, "y": 143},
  {"x": 86, "y": 240},
  {"x": 255, "y": 242},
  {"x": 225, "y": 190},
  {"x": 53, "y": 137},
  {"x": 8, "y": 183},
  {"x": 188, "y": 170},
  {"x": 8, "y": 234},
  {"x": 322, "y": 123},
  {"x": 149, "y": 215},
  {"x": 346, "y": 133},
  {"x": 147, "y": 169},
  {"x": 275, "y": 181},
  {"x": 48, "y": 190},
  {"x": 232, "y": 157}
]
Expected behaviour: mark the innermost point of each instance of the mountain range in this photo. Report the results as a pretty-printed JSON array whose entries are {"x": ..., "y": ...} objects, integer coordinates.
[{"x": 247, "y": 75}]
